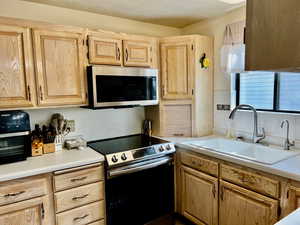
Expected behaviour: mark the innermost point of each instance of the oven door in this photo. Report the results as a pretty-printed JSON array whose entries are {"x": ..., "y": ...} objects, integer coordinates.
[
  {"x": 117, "y": 87},
  {"x": 14, "y": 147},
  {"x": 140, "y": 193}
]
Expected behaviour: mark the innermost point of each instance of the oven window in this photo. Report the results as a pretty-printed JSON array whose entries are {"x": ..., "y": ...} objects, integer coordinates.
[
  {"x": 125, "y": 88},
  {"x": 12, "y": 146}
]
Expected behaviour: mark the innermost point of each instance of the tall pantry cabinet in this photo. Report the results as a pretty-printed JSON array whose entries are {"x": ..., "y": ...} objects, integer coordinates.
[{"x": 186, "y": 96}]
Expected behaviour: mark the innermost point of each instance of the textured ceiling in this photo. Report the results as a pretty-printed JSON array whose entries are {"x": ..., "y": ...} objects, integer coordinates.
[{"x": 176, "y": 13}]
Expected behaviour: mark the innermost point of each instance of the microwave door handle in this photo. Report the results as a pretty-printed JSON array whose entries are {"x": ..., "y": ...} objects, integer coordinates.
[{"x": 128, "y": 170}]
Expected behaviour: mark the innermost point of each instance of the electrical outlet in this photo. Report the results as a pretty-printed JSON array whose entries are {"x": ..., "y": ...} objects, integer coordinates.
[{"x": 71, "y": 124}]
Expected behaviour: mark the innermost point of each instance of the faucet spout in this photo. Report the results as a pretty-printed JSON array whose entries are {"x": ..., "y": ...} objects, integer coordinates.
[{"x": 256, "y": 136}]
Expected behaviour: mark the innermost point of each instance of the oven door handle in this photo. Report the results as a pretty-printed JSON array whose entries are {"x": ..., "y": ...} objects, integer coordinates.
[{"x": 143, "y": 166}]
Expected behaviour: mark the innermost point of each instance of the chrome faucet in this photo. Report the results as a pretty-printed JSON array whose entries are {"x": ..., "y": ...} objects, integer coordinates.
[
  {"x": 256, "y": 136},
  {"x": 287, "y": 143}
]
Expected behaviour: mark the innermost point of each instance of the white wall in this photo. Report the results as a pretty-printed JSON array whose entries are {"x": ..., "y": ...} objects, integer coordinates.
[
  {"x": 95, "y": 124},
  {"x": 243, "y": 123},
  {"x": 92, "y": 124}
]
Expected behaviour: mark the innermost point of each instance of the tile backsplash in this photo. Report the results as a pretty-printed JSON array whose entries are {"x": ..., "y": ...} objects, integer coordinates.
[
  {"x": 242, "y": 125},
  {"x": 95, "y": 124}
]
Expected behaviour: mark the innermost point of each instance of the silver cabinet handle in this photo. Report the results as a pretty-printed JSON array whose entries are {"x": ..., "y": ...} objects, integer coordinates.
[
  {"x": 79, "y": 197},
  {"x": 78, "y": 179},
  {"x": 14, "y": 194},
  {"x": 80, "y": 217}
]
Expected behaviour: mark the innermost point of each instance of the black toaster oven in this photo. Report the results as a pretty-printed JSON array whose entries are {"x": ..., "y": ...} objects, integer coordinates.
[{"x": 15, "y": 143}]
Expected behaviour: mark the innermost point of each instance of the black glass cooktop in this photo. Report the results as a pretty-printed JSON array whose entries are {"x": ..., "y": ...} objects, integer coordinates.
[{"x": 120, "y": 144}]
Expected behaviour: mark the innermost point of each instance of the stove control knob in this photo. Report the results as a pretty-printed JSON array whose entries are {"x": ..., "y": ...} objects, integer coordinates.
[
  {"x": 169, "y": 147},
  {"x": 123, "y": 157},
  {"x": 114, "y": 159},
  {"x": 161, "y": 148}
]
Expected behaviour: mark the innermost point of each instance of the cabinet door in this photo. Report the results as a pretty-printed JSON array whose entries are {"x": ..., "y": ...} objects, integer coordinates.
[
  {"x": 59, "y": 68},
  {"x": 30, "y": 212},
  {"x": 177, "y": 120},
  {"x": 238, "y": 206},
  {"x": 199, "y": 197},
  {"x": 272, "y": 35},
  {"x": 105, "y": 51},
  {"x": 176, "y": 70},
  {"x": 16, "y": 68},
  {"x": 290, "y": 200},
  {"x": 137, "y": 53}
]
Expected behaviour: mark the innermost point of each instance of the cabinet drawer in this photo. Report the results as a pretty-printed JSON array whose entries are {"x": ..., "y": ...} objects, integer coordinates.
[
  {"x": 78, "y": 196},
  {"x": 19, "y": 190},
  {"x": 199, "y": 163},
  {"x": 250, "y": 180},
  {"x": 101, "y": 222},
  {"x": 77, "y": 178},
  {"x": 83, "y": 215}
]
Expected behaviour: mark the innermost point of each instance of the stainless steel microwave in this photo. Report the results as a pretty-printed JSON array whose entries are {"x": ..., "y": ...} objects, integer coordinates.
[{"x": 113, "y": 87}]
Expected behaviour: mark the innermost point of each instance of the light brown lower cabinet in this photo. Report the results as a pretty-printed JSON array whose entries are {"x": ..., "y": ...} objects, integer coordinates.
[
  {"x": 30, "y": 212},
  {"x": 239, "y": 206},
  {"x": 199, "y": 197}
]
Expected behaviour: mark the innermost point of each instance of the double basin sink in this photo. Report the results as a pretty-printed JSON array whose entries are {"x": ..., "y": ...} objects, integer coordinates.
[{"x": 249, "y": 151}]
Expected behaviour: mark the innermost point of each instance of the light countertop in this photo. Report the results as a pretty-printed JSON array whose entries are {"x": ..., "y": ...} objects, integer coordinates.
[
  {"x": 292, "y": 219},
  {"x": 289, "y": 168},
  {"x": 48, "y": 163}
]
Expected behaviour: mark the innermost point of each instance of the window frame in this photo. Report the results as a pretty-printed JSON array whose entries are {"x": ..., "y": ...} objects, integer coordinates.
[{"x": 276, "y": 95}]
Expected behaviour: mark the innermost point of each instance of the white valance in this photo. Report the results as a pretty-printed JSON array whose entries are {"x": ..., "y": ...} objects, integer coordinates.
[{"x": 233, "y": 49}]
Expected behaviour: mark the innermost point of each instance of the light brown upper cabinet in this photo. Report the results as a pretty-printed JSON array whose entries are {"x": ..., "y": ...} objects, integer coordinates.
[
  {"x": 105, "y": 51},
  {"x": 109, "y": 48},
  {"x": 59, "y": 67},
  {"x": 137, "y": 53},
  {"x": 272, "y": 35},
  {"x": 16, "y": 68},
  {"x": 239, "y": 206},
  {"x": 199, "y": 197},
  {"x": 176, "y": 69}
]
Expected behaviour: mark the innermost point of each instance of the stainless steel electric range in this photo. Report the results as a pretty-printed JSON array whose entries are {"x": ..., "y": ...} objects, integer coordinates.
[{"x": 139, "y": 178}]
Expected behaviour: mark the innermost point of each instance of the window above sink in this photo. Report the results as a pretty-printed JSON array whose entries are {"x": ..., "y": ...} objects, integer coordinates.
[{"x": 267, "y": 91}]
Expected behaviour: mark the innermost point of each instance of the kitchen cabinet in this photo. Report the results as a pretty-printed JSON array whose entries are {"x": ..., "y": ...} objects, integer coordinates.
[
  {"x": 177, "y": 58},
  {"x": 16, "y": 68},
  {"x": 272, "y": 31},
  {"x": 59, "y": 67},
  {"x": 290, "y": 198},
  {"x": 178, "y": 120},
  {"x": 79, "y": 195},
  {"x": 186, "y": 100},
  {"x": 199, "y": 197},
  {"x": 137, "y": 53},
  {"x": 239, "y": 206},
  {"x": 106, "y": 51},
  {"x": 30, "y": 212},
  {"x": 204, "y": 197},
  {"x": 108, "y": 48}
]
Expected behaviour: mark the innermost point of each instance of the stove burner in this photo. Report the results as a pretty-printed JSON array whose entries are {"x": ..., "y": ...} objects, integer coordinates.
[{"x": 131, "y": 148}]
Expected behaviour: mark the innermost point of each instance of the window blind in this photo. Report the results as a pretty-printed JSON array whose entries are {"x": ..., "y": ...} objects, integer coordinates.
[
  {"x": 257, "y": 89},
  {"x": 289, "y": 92}
]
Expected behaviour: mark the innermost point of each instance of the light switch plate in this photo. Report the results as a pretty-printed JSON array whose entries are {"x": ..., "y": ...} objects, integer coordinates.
[{"x": 71, "y": 124}]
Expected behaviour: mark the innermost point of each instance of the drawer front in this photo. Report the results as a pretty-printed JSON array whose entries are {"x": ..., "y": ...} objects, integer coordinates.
[
  {"x": 101, "y": 222},
  {"x": 199, "y": 163},
  {"x": 78, "y": 178},
  {"x": 83, "y": 215},
  {"x": 253, "y": 181},
  {"x": 79, "y": 196},
  {"x": 19, "y": 190}
]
